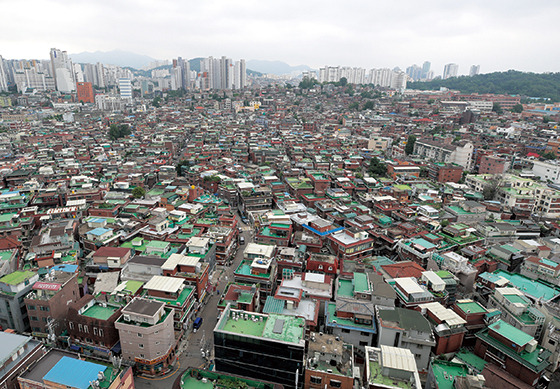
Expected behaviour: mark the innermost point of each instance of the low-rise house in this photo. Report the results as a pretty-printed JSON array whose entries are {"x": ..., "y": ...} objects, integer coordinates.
[{"x": 391, "y": 368}]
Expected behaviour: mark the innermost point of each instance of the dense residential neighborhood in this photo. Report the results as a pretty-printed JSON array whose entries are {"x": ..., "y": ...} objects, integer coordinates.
[{"x": 215, "y": 228}]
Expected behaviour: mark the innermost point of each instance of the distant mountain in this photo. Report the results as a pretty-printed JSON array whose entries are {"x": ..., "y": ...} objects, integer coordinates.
[
  {"x": 115, "y": 57},
  {"x": 275, "y": 67}
]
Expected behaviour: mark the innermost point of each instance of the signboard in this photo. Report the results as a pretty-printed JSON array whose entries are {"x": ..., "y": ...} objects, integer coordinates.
[{"x": 47, "y": 286}]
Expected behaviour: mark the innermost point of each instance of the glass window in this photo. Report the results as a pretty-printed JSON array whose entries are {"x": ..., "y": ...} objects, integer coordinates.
[{"x": 316, "y": 380}]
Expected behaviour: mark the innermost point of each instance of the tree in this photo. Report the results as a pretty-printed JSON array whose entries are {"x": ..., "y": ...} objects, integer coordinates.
[
  {"x": 368, "y": 105},
  {"x": 377, "y": 168},
  {"x": 343, "y": 81},
  {"x": 156, "y": 102},
  {"x": 549, "y": 155},
  {"x": 409, "y": 148},
  {"x": 308, "y": 83},
  {"x": 491, "y": 188},
  {"x": 496, "y": 107},
  {"x": 517, "y": 108},
  {"x": 546, "y": 119},
  {"x": 138, "y": 192},
  {"x": 117, "y": 131},
  {"x": 354, "y": 106}
]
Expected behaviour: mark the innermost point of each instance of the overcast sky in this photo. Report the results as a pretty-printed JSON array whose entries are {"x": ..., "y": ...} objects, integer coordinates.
[{"x": 496, "y": 34}]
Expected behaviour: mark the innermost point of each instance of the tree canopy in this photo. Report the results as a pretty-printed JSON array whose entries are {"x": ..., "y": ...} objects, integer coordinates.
[
  {"x": 138, "y": 192},
  {"x": 409, "y": 148},
  {"x": 377, "y": 168},
  {"x": 512, "y": 82},
  {"x": 117, "y": 131}
]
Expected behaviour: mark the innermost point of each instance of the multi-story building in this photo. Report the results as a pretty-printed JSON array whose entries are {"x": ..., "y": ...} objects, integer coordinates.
[
  {"x": 442, "y": 172},
  {"x": 63, "y": 71},
  {"x": 514, "y": 351},
  {"x": 270, "y": 347},
  {"x": 18, "y": 353},
  {"x": 146, "y": 334},
  {"x": 408, "y": 329},
  {"x": 59, "y": 369},
  {"x": 517, "y": 310},
  {"x": 459, "y": 154},
  {"x": 330, "y": 363},
  {"x": 125, "y": 88},
  {"x": 13, "y": 288},
  {"x": 84, "y": 92},
  {"x": 391, "y": 367},
  {"x": 351, "y": 244},
  {"x": 47, "y": 304},
  {"x": 492, "y": 164},
  {"x": 450, "y": 70},
  {"x": 449, "y": 327}
]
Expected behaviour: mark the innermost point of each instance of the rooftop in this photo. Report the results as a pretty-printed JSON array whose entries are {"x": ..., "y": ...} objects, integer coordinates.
[
  {"x": 17, "y": 277},
  {"x": 100, "y": 312},
  {"x": 289, "y": 329}
]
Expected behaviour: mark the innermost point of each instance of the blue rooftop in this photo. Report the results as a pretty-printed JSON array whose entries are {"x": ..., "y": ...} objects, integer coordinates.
[
  {"x": 74, "y": 373},
  {"x": 66, "y": 268},
  {"x": 99, "y": 231}
]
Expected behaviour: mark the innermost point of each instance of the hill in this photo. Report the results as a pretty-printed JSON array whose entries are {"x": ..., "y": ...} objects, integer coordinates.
[
  {"x": 512, "y": 82},
  {"x": 116, "y": 57}
]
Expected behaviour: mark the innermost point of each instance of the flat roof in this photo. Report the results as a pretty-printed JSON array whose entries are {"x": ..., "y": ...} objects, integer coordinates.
[
  {"x": 100, "y": 312},
  {"x": 74, "y": 373},
  {"x": 469, "y": 306},
  {"x": 284, "y": 328},
  {"x": 17, "y": 277},
  {"x": 141, "y": 306},
  {"x": 164, "y": 284},
  {"x": 179, "y": 259},
  {"x": 409, "y": 285},
  {"x": 510, "y": 332},
  {"x": 397, "y": 358},
  {"x": 11, "y": 343}
]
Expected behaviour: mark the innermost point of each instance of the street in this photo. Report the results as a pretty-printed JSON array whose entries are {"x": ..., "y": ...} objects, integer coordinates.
[{"x": 189, "y": 351}]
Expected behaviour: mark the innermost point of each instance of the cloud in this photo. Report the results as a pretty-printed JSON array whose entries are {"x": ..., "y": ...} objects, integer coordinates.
[{"x": 496, "y": 34}]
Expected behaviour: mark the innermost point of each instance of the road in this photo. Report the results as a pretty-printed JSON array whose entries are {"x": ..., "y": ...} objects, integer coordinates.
[{"x": 190, "y": 348}]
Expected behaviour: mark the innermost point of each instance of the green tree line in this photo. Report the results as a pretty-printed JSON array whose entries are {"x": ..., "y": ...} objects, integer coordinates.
[{"x": 512, "y": 82}]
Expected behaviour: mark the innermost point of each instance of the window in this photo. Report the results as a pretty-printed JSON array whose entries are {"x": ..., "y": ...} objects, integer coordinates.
[
  {"x": 346, "y": 331},
  {"x": 71, "y": 325},
  {"x": 141, "y": 355},
  {"x": 85, "y": 329},
  {"x": 315, "y": 380},
  {"x": 335, "y": 384},
  {"x": 364, "y": 343},
  {"x": 140, "y": 335},
  {"x": 140, "y": 345},
  {"x": 100, "y": 332},
  {"x": 95, "y": 331},
  {"x": 34, "y": 318},
  {"x": 552, "y": 342},
  {"x": 31, "y": 307},
  {"x": 80, "y": 328},
  {"x": 157, "y": 343}
]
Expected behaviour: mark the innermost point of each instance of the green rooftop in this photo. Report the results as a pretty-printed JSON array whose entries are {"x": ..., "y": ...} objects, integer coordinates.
[
  {"x": 290, "y": 329},
  {"x": 472, "y": 307},
  {"x": 445, "y": 372},
  {"x": 99, "y": 312},
  {"x": 535, "y": 288},
  {"x": 471, "y": 360},
  {"x": 361, "y": 283},
  {"x": 179, "y": 301},
  {"x": 345, "y": 288},
  {"x": 375, "y": 377},
  {"x": 511, "y": 333},
  {"x": 17, "y": 277}
]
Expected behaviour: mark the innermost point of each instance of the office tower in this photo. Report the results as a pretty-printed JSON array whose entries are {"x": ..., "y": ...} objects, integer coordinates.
[
  {"x": 84, "y": 91},
  {"x": 101, "y": 80},
  {"x": 475, "y": 69},
  {"x": 3, "y": 76},
  {"x": 242, "y": 73},
  {"x": 125, "y": 88},
  {"x": 450, "y": 70},
  {"x": 78, "y": 73},
  {"x": 426, "y": 70},
  {"x": 62, "y": 71}
]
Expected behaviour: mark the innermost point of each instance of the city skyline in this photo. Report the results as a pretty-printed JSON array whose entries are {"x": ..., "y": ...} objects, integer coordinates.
[{"x": 496, "y": 35}]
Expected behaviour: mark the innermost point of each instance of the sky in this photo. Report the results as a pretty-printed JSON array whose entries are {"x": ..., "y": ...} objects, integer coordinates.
[{"x": 496, "y": 34}]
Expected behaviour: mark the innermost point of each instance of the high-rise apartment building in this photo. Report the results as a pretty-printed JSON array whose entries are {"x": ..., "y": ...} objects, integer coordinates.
[
  {"x": 222, "y": 74},
  {"x": 62, "y": 71},
  {"x": 125, "y": 88},
  {"x": 426, "y": 70},
  {"x": 3, "y": 76},
  {"x": 475, "y": 69},
  {"x": 450, "y": 70}
]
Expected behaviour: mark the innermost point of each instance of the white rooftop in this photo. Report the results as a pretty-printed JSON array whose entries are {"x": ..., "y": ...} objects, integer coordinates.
[
  {"x": 397, "y": 358},
  {"x": 164, "y": 284},
  {"x": 259, "y": 250},
  {"x": 179, "y": 259},
  {"x": 409, "y": 285},
  {"x": 444, "y": 314}
]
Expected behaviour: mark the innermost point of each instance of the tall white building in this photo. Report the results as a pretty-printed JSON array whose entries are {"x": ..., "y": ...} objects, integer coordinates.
[
  {"x": 222, "y": 74},
  {"x": 125, "y": 88},
  {"x": 475, "y": 69},
  {"x": 450, "y": 70},
  {"x": 3, "y": 76},
  {"x": 62, "y": 71}
]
